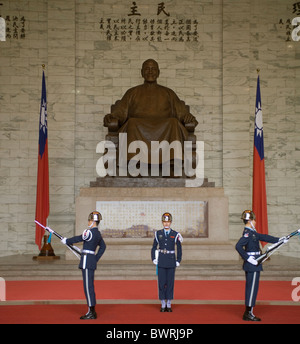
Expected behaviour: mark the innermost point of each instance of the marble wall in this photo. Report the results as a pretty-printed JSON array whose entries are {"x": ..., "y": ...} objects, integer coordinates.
[{"x": 214, "y": 74}]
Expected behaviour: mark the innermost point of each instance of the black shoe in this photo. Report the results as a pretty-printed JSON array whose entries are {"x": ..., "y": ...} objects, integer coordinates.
[
  {"x": 163, "y": 309},
  {"x": 89, "y": 315},
  {"x": 248, "y": 316},
  {"x": 168, "y": 309}
]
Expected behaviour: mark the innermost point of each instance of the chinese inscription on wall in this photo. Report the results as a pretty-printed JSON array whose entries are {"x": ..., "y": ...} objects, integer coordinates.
[
  {"x": 292, "y": 26},
  {"x": 134, "y": 27},
  {"x": 12, "y": 26}
]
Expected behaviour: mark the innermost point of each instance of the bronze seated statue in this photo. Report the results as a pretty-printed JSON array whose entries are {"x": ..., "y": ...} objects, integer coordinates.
[{"x": 151, "y": 112}]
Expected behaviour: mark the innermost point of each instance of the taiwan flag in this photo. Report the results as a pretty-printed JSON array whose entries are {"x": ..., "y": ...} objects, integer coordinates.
[
  {"x": 42, "y": 190},
  {"x": 259, "y": 195}
]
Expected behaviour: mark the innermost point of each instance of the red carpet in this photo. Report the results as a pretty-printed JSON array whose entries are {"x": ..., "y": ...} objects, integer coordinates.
[
  {"x": 58, "y": 312},
  {"x": 146, "y": 314},
  {"x": 139, "y": 290}
]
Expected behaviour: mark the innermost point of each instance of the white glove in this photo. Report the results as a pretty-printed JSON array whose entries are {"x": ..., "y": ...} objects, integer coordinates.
[
  {"x": 252, "y": 260},
  {"x": 177, "y": 264},
  {"x": 64, "y": 241},
  {"x": 155, "y": 261},
  {"x": 285, "y": 240}
]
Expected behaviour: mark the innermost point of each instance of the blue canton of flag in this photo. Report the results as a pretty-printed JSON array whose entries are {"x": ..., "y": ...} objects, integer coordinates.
[
  {"x": 258, "y": 132},
  {"x": 43, "y": 119}
]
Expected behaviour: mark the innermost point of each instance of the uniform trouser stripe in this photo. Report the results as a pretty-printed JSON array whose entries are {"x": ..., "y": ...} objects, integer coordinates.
[
  {"x": 84, "y": 262},
  {"x": 252, "y": 289},
  {"x": 252, "y": 281},
  {"x": 87, "y": 287}
]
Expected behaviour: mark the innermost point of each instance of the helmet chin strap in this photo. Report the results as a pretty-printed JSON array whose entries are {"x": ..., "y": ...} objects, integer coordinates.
[
  {"x": 91, "y": 225},
  {"x": 251, "y": 224}
]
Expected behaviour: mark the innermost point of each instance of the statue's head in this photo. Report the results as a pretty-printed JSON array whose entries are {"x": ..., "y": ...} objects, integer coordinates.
[{"x": 150, "y": 71}]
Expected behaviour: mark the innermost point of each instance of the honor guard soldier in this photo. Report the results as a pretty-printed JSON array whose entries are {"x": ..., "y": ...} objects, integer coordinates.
[
  {"x": 249, "y": 249},
  {"x": 166, "y": 260},
  {"x": 91, "y": 238}
]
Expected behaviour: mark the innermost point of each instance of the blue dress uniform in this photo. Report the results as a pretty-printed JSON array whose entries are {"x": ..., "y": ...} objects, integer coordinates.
[
  {"x": 248, "y": 245},
  {"x": 88, "y": 263},
  {"x": 166, "y": 260}
]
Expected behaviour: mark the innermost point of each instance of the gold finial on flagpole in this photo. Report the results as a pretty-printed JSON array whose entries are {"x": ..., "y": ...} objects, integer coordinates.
[
  {"x": 258, "y": 70},
  {"x": 43, "y": 66}
]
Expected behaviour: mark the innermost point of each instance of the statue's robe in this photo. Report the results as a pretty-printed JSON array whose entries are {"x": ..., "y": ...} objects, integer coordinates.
[{"x": 151, "y": 112}]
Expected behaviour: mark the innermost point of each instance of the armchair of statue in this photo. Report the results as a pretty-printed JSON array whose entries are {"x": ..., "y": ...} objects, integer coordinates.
[{"x": 114, "y": 126}]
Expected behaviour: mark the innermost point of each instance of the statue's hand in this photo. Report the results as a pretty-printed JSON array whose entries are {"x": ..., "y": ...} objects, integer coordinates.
[
  {"x": 108, "y": 118},
  {"x": 188, "y": 118}
]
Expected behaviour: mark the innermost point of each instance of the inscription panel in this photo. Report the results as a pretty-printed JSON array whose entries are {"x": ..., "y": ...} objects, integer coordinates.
[{"x": 140, "y": 219}]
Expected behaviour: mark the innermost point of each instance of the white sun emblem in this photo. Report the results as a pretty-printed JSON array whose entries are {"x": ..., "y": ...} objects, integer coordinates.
[
  {"x": 43, "y": 123},
  {"x": 258, "y": 121}
]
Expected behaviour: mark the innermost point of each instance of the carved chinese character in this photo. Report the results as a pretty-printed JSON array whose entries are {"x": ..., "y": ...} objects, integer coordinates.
[
  {"x": 161, "y": 8},
  {"x": 133, "y": 9},
  {"x": 296, "y": 8}
]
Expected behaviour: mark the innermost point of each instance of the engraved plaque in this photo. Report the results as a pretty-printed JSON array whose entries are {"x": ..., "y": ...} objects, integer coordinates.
[{"x": 140, "y": 219}]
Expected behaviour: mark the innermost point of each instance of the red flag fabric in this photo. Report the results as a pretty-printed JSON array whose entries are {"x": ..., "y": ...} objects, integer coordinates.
[
  {"x": 259, "y": 195},
  {"x": 42, "y": 189}
]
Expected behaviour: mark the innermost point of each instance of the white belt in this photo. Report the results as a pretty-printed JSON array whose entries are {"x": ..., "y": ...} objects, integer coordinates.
[
  {"x": 253, "y": 253},
  {"x": 164, "y": 251},
  {"x": 88, "y": 252}
]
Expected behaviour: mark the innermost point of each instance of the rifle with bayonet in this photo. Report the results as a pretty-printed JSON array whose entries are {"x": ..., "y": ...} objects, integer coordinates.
[{"x": 271, "y": 249}]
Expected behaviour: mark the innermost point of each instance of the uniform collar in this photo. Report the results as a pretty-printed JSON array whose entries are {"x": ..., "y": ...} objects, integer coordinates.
[{"x": 251, "y": 229}]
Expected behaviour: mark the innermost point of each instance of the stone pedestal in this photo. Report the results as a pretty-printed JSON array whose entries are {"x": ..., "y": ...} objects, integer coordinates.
[{"x": 213, "y": 245}]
